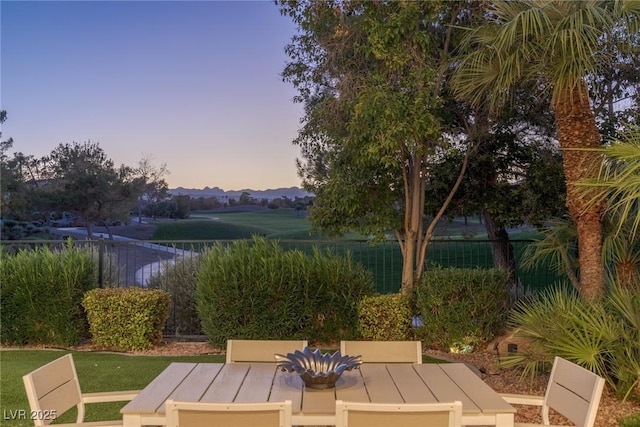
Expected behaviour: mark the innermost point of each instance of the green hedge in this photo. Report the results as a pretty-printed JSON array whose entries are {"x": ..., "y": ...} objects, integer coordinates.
[
  {"x": 179, "y": 279},
  {"x": 257, "y": 290},
  {"x": 126, "y": 318},
  {"x": 41, "y": 293},
  {"x": 461, "y": 307},
  {"x": 384, "y": 318}
]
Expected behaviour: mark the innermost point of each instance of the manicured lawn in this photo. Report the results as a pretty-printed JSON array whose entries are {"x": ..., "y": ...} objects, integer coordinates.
[
  {"x": 96, "y": 371},
  {"x": 274, "y": 223}
]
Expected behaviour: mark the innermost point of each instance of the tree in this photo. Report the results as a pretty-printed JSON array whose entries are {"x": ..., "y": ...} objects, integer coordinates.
[
  {"x": 154, "y": 187},
  {"x": 84, "y": 180},
  {"x": 556, "y": 44},
  {"x": 509, "y": 182},
  {"x": 5, "y": 172},
  {"x": 20, "y": 177},
  {"x": 370, "y": 75}
]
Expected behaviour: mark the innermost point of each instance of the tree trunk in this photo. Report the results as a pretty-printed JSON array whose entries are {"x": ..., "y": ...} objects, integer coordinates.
[
  {"x": 627, "y": 274},
  {"x": 577, "y": 130},
  {"x": 501, "y": 247},
  {"x": 413, "y": 228}
]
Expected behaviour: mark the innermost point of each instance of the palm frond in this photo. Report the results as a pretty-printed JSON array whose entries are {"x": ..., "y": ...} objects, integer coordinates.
[{"x": 619, "y": 179}]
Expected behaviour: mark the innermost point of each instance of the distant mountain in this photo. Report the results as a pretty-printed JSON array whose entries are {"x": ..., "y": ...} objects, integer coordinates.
[{"x": 291, "y": 193}]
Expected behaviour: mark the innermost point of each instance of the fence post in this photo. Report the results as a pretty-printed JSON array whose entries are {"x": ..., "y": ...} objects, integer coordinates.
[{"x": 100, "y": 262}]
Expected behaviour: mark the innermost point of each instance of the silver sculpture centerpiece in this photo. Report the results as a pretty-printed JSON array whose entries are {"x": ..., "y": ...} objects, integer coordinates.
[{"x": 317, "y": 370}]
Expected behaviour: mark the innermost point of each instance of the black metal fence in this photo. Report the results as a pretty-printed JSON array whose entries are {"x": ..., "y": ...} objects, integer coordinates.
[{"x": 135, "y": 263}]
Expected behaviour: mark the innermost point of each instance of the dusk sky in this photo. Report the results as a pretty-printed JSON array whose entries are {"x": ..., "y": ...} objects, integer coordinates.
[{"x": 193, "y": 84}]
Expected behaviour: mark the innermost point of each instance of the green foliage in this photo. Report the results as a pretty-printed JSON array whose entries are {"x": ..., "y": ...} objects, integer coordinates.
[
  {"x": 85, "y": 180},
  {"x": 256, "y": 290},
  {"x": 23, "y": 230},
  {"x": 41, "y": 295},
  {"x": 371, "y": 76},
  {"x": 126, "y": 318},
  {"x": 630, "y": 421},
  {"x": 460, "y": 307},
  {"x": 384, "y": 317},
  {"x": 179, "y": 280},
  {"x": 601, "y": 335}
]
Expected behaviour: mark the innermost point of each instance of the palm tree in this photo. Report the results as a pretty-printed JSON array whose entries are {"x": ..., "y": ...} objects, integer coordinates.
[
  {"x": 618, "y": 182},
  {"x": 556, "y": 43}
]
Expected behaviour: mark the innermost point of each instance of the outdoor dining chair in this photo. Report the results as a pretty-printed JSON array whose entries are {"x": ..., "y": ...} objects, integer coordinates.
[
  {"x": 384, "y": 351},
  {"x": 54, "y": 388},
  {"x": 199, "y": 414},
  {"x": 444, "y": 414},
  {"x": 261, "y": 350},
  {"x": 572, "y": 391}
]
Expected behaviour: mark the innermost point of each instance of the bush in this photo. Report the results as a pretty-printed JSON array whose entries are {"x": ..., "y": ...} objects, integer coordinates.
[
  {"x": 384, "y": 318},
  {"x": 179, "y": 280},
  {"x": 126, "y": 318},
  {"x": 256, "y": 290},
  {"x": 603, "y": 336},
  {"x": 461, "y": 307},
  {"x": 41, "y": 295},
  {"x": 630, "y": 421}
]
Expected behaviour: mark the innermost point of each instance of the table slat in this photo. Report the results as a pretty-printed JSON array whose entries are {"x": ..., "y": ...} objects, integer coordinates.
[
  {"x": 479, "y": 391},
  {"x": 379, "y": 383},
  {"x": 197, "y": 382},
  {"x": 152, "y": 398},
  {"x": 287, "y": 386},
  {"x": 350, "y": 387},
  {"x": 318, "y": 401},
  {"x": 257, "y": 383},
  {"x": 226, "y": 385},
  {"x": 443, "y": 388},
  {"x": 410, "y": 385}
]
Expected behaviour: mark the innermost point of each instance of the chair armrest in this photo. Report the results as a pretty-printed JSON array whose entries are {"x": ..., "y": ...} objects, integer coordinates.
[
  {"x": 522, "y": 399},
  {"x": 109, "y": 396}
]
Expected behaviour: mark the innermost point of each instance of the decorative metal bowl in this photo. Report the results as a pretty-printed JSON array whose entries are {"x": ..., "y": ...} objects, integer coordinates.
[{"x": 317, "y": 370}]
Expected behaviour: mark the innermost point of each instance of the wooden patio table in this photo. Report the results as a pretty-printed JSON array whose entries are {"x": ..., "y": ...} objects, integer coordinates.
[{"x": 373, "y": 382}]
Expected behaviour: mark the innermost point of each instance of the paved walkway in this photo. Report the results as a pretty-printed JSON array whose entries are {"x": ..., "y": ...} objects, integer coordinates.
[{"x": 143, "y": 274}]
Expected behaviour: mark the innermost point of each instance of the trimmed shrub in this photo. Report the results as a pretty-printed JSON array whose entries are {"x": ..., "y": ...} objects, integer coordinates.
[
  {"x": 41, "y": 295},
  {"x": 384, "y": 318},
  {"x": 461, "y": 307},
  {"x": 179, "y": 280},
  {"x": 256, "y": 290},
  {"x": 126, "y": 318}
]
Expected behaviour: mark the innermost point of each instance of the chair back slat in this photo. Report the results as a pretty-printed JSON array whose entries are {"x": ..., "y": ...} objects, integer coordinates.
[
  {"x": 261, "y": 350},
  {"x": 384, "y": 351},
  {"x": 574, "y": 392},
  {"x": 236, "y": 419},
  {"x": 360, "y": 414},
  {"x": 53, "y": 374},
  {"x": 61, "y": 399},
  {"x": 406, "y": 419},
  {"x": 576, "y": 378},
  {"x": 198, "y": 414},
  {"x": 53, "y": 387}
]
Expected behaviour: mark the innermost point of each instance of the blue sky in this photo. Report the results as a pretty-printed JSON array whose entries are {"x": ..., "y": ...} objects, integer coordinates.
[{"x": 193, "y": 84}]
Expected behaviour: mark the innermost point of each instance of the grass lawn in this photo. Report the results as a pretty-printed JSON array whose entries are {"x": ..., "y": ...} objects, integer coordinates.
[{"x": 96, "y": 372}]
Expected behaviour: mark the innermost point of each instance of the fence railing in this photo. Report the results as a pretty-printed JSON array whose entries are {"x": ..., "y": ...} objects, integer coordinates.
[{"x": 135, "y": 263}]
